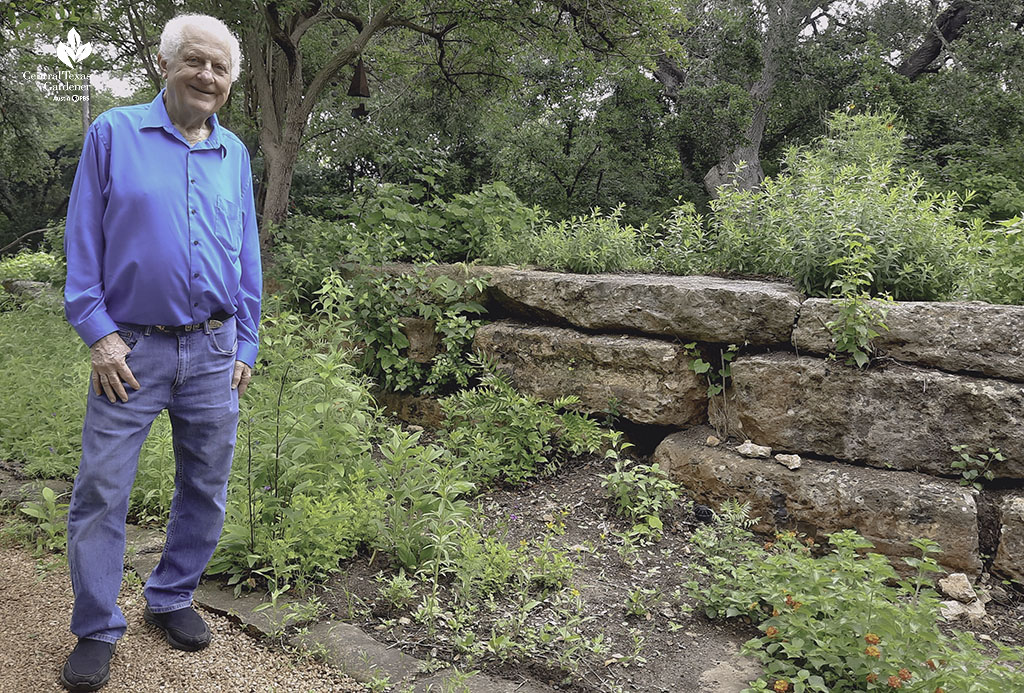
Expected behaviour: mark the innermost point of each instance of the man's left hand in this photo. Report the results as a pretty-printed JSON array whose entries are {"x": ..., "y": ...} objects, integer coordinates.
[{"x": 241, "y": 378}]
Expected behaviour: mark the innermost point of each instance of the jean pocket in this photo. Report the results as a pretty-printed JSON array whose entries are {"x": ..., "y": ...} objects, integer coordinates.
[
  {"x": 129, "y": 336},
  {"x": 228, "y": 224},
  {"x": 224, "y": 339}
]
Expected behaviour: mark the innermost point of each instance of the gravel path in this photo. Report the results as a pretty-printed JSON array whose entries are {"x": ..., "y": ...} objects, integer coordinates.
[{"x": 35, "y": 611}]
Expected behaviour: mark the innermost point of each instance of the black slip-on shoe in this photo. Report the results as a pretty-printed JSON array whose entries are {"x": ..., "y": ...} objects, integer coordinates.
[
  {"x": 183, "y": 628},
  {"x": 88, "y": 665}
]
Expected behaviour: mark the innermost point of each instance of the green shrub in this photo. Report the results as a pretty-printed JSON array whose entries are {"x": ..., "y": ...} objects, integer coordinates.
[
  {"x": 997, "y": 274},
  {"x": 844, "y": 199},
  {"x": 640, "y": 494},
  {"x": 683, "y": 244},
  {"x": 512, "y": 437},
  {"x": 841, "y": 622},
  {"x": 44, "y": 379},
  {"x": 586, "y": 244},
  {"x": 37, "y": 266}
]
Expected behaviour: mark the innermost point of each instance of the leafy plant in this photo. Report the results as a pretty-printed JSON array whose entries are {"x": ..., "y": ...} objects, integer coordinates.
[
  {"x": 717, "y": 380},
  {"x": 584, "y": 244},
  {"x": 974, "y": 468},
  {"x": 845, "y": 198},
  {"x": 505, "y": 435},
  {"x": 49, "y": 517},
  {"x": 843, "y": 621},
  {"x": 640, "y": 494}
]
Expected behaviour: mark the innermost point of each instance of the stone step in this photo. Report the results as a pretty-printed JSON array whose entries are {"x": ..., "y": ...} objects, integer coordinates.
[
  {"x": 969, "y": 337},
  {"x": 897, "y": 417},
  {"x": 644, "y": 380},
  {"x": 888, "y": 508}
]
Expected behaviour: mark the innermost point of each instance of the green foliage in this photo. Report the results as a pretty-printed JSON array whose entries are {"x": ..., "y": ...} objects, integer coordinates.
[
  {"x": 585, "y": 244},
  {"x": 841, "y": 206},
  {"x": 424, "y": 506},
  {"x": 49, "y": 519},
  {"x": 843, "y": 621},
  {"x": 640, "y": 494},
  {"x": 377, "y": 303},
  {"x": 684, "y": 245},
  {"x": 44, "y": 378},
  {"x": 975, "y": 467},
  {"x": 997, "y": 272},
  {"x": 38, "y": 266},
  {"x": 504, "y": 435},
  {"x": 301, "y": 497}
]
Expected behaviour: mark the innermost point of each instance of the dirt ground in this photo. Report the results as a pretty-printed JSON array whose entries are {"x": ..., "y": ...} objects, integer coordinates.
[
  {"x": 35, "y": 612},
  {"x": 684, "y": 651}
]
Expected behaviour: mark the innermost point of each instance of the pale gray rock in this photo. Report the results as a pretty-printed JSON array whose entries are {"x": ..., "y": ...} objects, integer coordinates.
[
  {"x": 899, "y": 417},
  {"x": 888, "y": 508},
  {"x": 1009, "y": 561},
  {"x": 748, "y": 449},
  {"x": 791, "y": 462},
  {"x": 645, "y": 380},
  {"x": 972, "y": 337},
  {"x": 951, "y": 610},
  {"x": 958, "y": 586},
  {"x": 712, "y": 442}
]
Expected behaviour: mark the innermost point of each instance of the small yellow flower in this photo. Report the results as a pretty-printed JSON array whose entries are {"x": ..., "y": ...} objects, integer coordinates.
[
  {"x": 781, "y": 686},
  {"x": 894, "y": 682},
  {"x": 905, "y": 674},
  {"x": 771, "y": 631},
  {"x": 872, "y": 639},
  {"x": 872, "y": 651}
]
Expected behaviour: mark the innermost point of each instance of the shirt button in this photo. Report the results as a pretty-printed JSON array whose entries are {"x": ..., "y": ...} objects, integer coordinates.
[
  {"x": 196, "y": 275},
  {"x": 193, "y": 211},
  {"x": 195, "y": 305},
  {"x": 195, "y": 242},
  {"x": 191, "y": 180}
]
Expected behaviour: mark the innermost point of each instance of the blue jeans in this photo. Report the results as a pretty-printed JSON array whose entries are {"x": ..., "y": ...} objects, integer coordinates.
[{"x": 188, "y": 374}]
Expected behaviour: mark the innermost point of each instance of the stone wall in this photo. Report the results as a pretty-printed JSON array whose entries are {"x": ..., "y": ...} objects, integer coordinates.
[{"x": 875, "y": 443}]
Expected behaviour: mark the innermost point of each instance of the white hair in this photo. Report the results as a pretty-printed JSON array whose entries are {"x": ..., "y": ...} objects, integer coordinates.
[{"x": 173, "y": 36}]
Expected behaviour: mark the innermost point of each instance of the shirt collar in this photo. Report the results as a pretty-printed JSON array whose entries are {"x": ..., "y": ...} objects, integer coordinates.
[{"x": 156, "y": 117}]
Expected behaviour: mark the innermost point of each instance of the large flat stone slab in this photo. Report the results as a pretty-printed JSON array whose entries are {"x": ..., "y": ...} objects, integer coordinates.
[
  {"x": 1009, "y": 561},
  {"x": 899, "y": 417},
  {"x": 703, "y": 309},
  {"x": 970, "y": 337},
  {"x": 647, "y": 379},
  {"x": 888, "y": 508},
  {"x": 357, "y": 654}
]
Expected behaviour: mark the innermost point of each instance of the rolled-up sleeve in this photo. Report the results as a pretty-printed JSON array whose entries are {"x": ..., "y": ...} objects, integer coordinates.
[
  {"x": 84, "y": 302},
  {"x": 250, "y": 289}
]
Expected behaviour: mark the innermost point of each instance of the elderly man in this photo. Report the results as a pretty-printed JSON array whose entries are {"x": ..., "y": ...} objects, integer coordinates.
[{"x": 164, "y": 284}]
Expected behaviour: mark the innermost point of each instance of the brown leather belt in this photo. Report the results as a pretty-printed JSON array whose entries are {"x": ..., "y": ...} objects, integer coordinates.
[{"x": 216, "y": 320}]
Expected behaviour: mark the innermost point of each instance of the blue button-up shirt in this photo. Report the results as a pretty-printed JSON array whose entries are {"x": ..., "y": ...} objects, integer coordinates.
[{"x": 160, "y": 232}]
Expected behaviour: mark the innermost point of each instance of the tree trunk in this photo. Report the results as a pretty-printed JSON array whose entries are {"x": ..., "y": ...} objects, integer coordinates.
[
  {"x": 742, "y": 166},
  {"x": 947, "y": 28}
]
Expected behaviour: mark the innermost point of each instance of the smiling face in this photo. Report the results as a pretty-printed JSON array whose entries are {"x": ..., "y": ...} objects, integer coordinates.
[{"x": 198, "y": 78}]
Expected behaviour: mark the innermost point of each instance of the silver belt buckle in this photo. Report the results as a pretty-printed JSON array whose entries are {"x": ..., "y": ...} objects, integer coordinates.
[{"x": 214, "y": 324}]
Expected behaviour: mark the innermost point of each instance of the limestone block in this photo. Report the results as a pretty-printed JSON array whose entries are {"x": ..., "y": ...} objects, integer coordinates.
[
  {"x": 647, "y": 379},
  {"x": 899, "y": 417},
  {"x": 888, "y": 508},
  {"x": 704, "y": 309},
  {"x": 970, "y": 337},
  {"x": 1009, "y": 561}
]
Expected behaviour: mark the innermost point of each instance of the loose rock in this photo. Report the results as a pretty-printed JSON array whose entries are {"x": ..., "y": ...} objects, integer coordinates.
[
  {"x": 958, "y": 586},
  {"x": 792, "y": 462},
  {"x": 749, "y": 449}
]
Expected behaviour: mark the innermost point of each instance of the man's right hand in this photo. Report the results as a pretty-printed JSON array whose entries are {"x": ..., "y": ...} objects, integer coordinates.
[{"x": 109, "y": 367}]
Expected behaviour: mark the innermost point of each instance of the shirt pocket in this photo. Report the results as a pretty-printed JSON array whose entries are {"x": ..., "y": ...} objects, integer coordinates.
[{"x": 227, "y": 225}]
